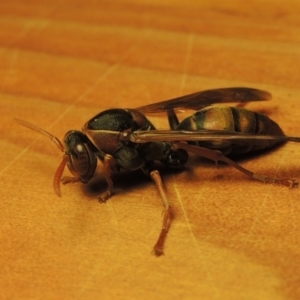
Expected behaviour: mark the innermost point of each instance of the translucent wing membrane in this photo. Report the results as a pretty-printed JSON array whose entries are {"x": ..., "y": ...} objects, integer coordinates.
[{"x": 199, "y": 100}]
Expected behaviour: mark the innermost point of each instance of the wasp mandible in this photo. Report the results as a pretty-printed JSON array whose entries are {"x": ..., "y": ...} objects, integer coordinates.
[{"x": 126, "y": 139}]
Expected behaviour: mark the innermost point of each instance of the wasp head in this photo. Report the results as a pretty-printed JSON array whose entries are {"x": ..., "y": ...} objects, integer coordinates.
[
  {"x": 82, "y": 160},
  {"x": 79, "y": 155}
]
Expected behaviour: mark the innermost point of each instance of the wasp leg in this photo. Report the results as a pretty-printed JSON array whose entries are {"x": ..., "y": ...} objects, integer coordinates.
[
  {"x": 69, "y": 179},
  {"x": 108, "y": 165},
  {"x": 172, "y": 118},
  {"x": 218, "y": 156},
  {"x": 158, "y": 248},
  {"x": 241, "y": 104}
]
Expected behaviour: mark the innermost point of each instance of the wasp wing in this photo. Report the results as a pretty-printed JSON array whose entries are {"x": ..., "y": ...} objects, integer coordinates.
[
  {"x": 204, "y": 135},
  {"x": 199, "y": 100}
]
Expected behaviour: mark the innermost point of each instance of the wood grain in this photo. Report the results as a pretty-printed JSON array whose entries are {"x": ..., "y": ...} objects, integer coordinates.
[{"x": 61, "y": 62}]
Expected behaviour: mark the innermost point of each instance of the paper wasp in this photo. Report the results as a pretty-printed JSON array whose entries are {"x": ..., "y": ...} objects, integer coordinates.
[{"x": 126, "y": 139}]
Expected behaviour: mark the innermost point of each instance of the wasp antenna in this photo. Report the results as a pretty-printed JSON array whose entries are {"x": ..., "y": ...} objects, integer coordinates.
[
  {"x": 293, "y": 139},
  {"x": 58, "y": 175},
  {"x": 33, "y": 127}
]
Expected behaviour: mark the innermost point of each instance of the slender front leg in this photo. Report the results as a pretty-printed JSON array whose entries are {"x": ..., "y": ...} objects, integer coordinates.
[
  {"x": 109, "y": 164},
  {"x": 69, "y": 179},
  {"x": 218, "y": 156},
  {"x": 167, "y": 216}
]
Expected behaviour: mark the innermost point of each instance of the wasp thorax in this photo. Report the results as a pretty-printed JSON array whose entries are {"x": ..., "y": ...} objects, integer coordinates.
[
  {"x": 176, "y": 158},
  {"x": 82, "y": 161}
]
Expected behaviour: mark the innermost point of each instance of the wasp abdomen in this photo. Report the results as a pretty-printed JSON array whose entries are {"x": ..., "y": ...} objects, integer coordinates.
[{"x": 236, "y": 120}]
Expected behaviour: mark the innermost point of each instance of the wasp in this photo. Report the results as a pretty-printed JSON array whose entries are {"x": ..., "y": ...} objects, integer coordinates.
[{"x": 126, "y": 139}]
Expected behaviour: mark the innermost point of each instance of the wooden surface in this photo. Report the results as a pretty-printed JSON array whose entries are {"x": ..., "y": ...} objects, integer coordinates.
[{"x": 64, "y": 61}]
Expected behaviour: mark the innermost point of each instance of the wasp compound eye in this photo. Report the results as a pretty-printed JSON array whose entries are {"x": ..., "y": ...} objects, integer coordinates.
[{"x": 82, "y": 160}]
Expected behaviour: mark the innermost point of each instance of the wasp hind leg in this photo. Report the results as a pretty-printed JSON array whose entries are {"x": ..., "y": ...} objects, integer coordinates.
[
  {"x": 158, "y": 248},
  {"x": 218, "y": 156}
]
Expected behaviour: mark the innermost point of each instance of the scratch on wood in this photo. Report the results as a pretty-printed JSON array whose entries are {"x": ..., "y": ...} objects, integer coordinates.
[
  {"x": 185, "y": 213},
  {"x": 111, "y": 211},
  {"x": 103, "y": 76},
  {"x": 17, "y": 157},
  {"x": 262, "y": 206},
  {"x": 202, "y": 255},
  {"x": 110, "y": 70},
  {"x": 190, "y": 43}
]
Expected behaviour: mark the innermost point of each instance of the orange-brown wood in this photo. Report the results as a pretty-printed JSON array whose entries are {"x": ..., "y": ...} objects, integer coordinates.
[{"x": 61, "y": 62}]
